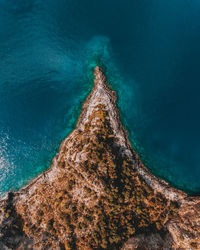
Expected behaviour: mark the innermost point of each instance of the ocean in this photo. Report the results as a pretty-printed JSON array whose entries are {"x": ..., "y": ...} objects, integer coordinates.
[{"x": 151, "y": 52}]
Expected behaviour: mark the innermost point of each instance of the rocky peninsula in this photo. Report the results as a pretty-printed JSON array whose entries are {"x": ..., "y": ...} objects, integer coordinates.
[{"x": 97, "y": 194}]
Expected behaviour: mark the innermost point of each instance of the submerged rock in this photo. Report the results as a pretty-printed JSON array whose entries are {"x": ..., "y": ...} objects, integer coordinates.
[{"x": 97, "y": 194}]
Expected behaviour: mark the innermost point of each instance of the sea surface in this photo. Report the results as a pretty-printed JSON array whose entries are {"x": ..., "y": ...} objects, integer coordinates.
[{"x": 151, "y": 52}]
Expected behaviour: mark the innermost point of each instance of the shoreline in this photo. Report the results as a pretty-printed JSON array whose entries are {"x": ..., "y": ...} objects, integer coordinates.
[
  {"x": 155, "y": 182},
  {"x": 97, "y": 160},
  {"x": 83, "y": 106}
]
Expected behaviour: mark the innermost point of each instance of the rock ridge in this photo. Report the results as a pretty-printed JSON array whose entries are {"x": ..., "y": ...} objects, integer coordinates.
[{"x": 97, "y": 194}]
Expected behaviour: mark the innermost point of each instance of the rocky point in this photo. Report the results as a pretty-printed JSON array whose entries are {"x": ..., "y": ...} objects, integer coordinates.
[{"x": 97, "y": 194}]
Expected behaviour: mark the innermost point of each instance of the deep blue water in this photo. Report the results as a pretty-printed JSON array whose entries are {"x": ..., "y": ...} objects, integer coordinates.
[{"x": 151, "y": 50}]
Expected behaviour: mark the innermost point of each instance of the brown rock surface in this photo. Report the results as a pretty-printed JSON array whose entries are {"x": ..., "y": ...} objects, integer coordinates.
[{"x": 98, "y": 195}]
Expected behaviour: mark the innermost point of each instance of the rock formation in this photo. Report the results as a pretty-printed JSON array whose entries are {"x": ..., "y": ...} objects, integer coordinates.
[{"x": 97, "y": 194}]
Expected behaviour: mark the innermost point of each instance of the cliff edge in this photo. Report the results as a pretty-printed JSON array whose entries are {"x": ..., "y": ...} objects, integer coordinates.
[{"x": 97, "y": 194}]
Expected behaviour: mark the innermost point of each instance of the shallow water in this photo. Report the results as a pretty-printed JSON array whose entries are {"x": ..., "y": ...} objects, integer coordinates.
[{"x": 151, "y": 52}]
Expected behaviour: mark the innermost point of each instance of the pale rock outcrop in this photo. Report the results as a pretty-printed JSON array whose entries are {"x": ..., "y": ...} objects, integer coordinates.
[{"x": 97, "y": 194}]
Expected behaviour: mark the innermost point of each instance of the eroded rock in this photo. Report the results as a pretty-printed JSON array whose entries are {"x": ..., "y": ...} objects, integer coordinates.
[{"x": 97, "y": 194}]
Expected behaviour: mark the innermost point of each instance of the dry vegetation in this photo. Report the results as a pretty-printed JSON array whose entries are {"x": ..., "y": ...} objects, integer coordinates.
[
  {"x": 97, "y": 201},
  {"x": 93, "y": 198}
]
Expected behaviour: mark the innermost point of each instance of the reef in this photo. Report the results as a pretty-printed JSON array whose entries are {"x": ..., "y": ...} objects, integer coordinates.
[{"x": 97, "y": 194}]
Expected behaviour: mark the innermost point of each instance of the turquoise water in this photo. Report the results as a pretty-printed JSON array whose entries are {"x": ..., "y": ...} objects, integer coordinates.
[{"x": 151, "y": 52}]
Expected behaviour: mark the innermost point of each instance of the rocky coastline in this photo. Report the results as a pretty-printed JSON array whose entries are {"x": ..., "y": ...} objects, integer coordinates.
[{"x": 97, "y": 194}]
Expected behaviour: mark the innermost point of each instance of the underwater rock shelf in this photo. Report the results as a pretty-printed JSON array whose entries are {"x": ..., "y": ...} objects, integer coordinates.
[{"x": 97, "y": 194}]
